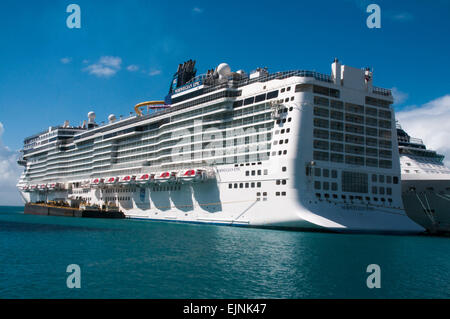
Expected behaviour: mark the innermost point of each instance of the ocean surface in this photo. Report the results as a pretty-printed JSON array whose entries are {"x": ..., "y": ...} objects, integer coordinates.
[{"x": 144, "y": 259}]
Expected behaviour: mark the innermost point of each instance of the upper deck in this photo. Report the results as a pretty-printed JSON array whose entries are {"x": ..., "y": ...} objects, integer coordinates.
[
  {"x": 53, "y": 133},
  {"x": 415, "y": 147},
  {"x": 229, "y": 85},
  {"x": 222, "y": 83}
]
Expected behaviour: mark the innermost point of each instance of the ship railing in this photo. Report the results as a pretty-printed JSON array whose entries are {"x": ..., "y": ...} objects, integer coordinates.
[
  {"x": 381, "y": 91},
  {"x": 287, "y": 74},
  {"x": 201, "y": 78},
  {"x": 414, "y": 140},
  {"x": 263, "y": 78},
  {"x": 183, "y": 166},
  {"x": 21, "y": 161},
  {"x": 232, "y": 82}
]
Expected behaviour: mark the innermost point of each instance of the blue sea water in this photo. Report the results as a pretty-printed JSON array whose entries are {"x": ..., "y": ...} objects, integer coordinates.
[{"x": 143, "y": 259}]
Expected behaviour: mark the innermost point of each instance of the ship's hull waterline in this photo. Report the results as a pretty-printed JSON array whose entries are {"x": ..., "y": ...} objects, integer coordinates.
[{"x": 202, "y": 203}]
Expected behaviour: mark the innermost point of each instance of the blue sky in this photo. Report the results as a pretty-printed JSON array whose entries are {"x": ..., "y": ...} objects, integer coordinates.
[{"x": 127, "y": 51}]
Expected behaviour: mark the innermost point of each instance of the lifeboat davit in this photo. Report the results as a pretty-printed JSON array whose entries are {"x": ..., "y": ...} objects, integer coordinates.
[
  {"x": 126, "y": 180},
  {"x": 97, "y": 182},
  {"x": 111, "y": 181},
  {"x": 51, "y": 186},
  {"x": 145, "y": 179},
  {"x": 166, "y": 177},
  {"x": 192, "y": 175}
]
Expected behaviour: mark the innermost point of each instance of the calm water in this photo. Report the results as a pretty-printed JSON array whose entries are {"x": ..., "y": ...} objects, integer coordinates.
[{"x": 142, "y": 259}]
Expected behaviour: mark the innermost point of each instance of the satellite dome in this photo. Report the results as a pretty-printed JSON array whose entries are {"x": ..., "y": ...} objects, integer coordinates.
[
  {"x": 223, "y": 70},
  {"x": 111, "y": 118},
  {"x": 91, "y": 117}
]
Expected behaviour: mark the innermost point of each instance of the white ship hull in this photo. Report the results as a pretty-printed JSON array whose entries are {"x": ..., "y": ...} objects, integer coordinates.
[
  {"x": 213, "y": 202},
  {"x": 427, "y": 202},
  {"x": 425, "y": 184}
]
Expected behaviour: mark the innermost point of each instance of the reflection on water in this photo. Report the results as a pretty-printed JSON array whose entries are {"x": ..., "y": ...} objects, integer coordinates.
[{"x": 142, "y": 259}]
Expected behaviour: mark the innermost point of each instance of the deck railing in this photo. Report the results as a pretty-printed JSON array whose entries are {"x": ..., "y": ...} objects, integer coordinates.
[{"x": 381, "y": 91}]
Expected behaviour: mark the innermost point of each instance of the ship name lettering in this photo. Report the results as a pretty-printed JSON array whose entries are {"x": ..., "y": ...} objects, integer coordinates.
[{"x": 226, "y": 170}]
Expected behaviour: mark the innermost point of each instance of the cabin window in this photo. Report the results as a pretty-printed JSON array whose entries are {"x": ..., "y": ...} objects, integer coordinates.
[
  {"x": 272, "y": 95},
  {"x": 260, "y": 98}
]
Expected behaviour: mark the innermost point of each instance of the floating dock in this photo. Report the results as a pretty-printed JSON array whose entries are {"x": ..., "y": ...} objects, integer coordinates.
[{"x": 50, "y": 210}]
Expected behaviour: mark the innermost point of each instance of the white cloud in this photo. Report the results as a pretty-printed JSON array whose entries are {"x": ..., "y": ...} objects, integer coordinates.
[
  {"x": 402, "y": 16},
  {"x": 9, "y": 174},
  {"x": 100, "y": 70},
  {"x": 106, "y": 67},
  {"x": 154, "y": 72},
  {"x": 111, "y": 61},
  {"x": 66, "y": 60},
  {"x": 132, "y": 68},
  {"x": 429, "y": 122},
  {"x": 197, "y": 10},
  {"x": 399, "y": 96}
]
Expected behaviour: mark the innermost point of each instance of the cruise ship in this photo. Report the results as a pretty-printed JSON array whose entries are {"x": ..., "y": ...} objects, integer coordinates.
[
  {"x": 293, "y": 149},
  {"x": 425, "y": 184}
]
